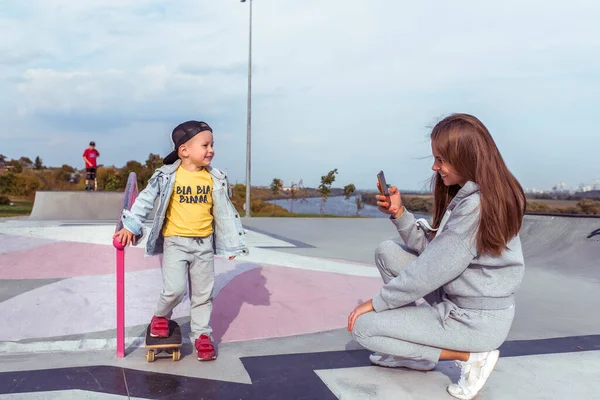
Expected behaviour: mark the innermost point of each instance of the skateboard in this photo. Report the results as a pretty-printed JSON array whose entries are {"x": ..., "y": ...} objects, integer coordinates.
[{"x": 170, "y": 345}]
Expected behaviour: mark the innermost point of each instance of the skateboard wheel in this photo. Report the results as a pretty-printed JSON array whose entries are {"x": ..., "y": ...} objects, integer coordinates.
[
  {"x": 150, "y": 355},
  {"x": 176, "y": 355}
]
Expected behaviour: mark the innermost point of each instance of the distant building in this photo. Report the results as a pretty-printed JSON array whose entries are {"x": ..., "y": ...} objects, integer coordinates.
[
  {"x": 595, "y": 186},
  {"x": 534, "y": 191},
  {"x": 560, "y": 188}
]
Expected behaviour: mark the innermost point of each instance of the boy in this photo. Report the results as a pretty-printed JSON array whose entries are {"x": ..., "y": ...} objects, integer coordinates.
[
  {"x": 89, "y": 156},
  {"x": 195, "y": 220}
]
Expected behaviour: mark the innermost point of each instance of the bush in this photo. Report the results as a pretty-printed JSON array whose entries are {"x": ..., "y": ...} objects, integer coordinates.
[
  {"x": 419, "y": 204},
  {"x": 4, "y": 201},
  {"x": 588, "y": 207},
  {"x": 67, "y": 168},
  {"x": 108, "y": 179},
  {"x": 19, "y": 184},
  {"x": 29, "y": 184},
  {"x": 113, "y": 184},
  {"x": 8, "y": 183},
  {"x": 537, "y": 206}
]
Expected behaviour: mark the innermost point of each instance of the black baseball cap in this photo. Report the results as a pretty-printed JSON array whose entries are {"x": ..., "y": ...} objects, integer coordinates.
[
  {"x": 92, "y": 143},
  {"x": 181, "y": 134}
]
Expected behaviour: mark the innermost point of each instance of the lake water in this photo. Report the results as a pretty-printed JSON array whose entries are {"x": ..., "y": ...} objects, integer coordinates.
[{"x": 334, "y": 206}]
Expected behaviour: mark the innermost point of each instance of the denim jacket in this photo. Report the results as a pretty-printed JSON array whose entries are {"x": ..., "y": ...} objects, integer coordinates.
[{"x": 229, "y": 234}]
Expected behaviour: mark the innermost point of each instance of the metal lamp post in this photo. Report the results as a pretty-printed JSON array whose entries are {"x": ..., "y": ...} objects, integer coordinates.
[{"x": 248, "y": 146}]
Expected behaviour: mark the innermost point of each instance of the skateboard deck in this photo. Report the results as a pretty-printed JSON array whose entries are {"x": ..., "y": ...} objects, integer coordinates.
[{"x": 171, "y": 344}]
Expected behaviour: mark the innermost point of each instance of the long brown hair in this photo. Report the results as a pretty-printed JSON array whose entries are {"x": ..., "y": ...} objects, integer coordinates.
[{"x": 467, "y": 146}]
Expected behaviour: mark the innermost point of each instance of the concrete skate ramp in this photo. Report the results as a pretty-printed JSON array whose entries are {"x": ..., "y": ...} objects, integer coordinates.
[
  {"x": 565, "y": 244},
  {"x": 77, "y": 206}
]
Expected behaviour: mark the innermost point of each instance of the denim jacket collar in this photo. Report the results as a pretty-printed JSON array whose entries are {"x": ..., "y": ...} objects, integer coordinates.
[{"x": 170, "y": 169}]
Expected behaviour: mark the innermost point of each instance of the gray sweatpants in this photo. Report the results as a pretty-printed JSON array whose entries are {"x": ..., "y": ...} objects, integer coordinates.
[
  {"x": 188, "y": 263},
  {"x": 421, "y": 332}
]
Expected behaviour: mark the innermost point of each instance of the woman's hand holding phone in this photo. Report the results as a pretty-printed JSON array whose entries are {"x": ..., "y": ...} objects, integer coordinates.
[{"x": 391, "y": 204}]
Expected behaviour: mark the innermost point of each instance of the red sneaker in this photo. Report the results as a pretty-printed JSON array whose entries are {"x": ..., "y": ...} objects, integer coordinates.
[
  {"x": 206, "y": 349},
  {"x": 159, "y": 327}
]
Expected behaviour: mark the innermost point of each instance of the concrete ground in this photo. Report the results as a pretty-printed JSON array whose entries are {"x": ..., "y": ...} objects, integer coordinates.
[{"x": 279, "y": 317}]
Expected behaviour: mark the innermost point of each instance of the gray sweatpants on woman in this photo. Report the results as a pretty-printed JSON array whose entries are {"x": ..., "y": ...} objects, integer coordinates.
[
  {"x": 421, "y": 332},
  {"x": 188, "y": 263}
]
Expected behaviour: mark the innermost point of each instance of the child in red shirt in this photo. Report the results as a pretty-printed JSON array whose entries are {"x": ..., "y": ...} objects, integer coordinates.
[{"x": 89, "y": 156}]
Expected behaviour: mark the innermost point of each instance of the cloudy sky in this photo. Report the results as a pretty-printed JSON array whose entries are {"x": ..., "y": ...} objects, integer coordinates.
[{"x": 353, "y": 85}]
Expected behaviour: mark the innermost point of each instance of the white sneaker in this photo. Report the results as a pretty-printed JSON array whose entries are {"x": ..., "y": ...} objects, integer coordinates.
[
  {"x": 386, "y": 360},
  {"x": 473, "y": 375}
]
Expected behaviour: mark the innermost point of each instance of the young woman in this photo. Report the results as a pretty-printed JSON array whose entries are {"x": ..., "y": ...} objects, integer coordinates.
[{"x": 466, "y": 268}]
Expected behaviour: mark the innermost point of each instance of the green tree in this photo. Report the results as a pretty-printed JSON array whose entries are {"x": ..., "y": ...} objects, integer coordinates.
[
  {"x": 276, "y": 186},
  {"x": 8, "y": 183},
  {"x": 349, "y": 190},
  {"x": 113, "y": 183},
  {"x": 153, "y": 162},
  {"x": 302, "y": 191},
  {"x": 2, "y": 159},
  {"x": 38, "y": 163},
  {"x": 138, "y": 168},
  {"x": 293, "y": 192},
  {"x": 26, "y": 162},
  {"x": 19, "y": 184},
  {"x": 61, "y": 176},
  {"x": 359, "y": 204},
  {"x": 325, "y": 186}
]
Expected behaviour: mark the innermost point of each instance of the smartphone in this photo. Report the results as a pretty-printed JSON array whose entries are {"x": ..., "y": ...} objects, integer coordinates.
[{"x": 382, "y": 184}]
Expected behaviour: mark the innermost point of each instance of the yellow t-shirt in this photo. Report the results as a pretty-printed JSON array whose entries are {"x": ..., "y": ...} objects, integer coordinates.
[{"x": 189, "y": 212}]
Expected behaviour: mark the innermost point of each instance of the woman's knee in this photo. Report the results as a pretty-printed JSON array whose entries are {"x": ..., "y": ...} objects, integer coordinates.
[
  {"x": 384, "y": 250},
  {"x": 360, "y": 331},
  {"x": 393, "y": 255}
]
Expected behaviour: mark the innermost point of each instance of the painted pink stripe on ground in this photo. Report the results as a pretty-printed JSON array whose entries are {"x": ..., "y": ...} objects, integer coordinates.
[
  {"x": 346, "y": 261},
  {"x": 276, "y": 301},
  {"x": 87, "y": 303},
  {"x": 69, "y": 259}
]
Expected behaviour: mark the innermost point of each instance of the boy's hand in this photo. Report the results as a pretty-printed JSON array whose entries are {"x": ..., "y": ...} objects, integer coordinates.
[{"x": 125, "y": 237}]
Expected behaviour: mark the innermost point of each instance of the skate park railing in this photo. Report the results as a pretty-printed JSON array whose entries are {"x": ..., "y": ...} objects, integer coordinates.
[{"x": 131, "y": 192}]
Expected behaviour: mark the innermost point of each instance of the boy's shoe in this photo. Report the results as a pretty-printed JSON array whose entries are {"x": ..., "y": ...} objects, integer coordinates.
[
  {"x": 159, "y": 327},
  {"x": 386, "y": 360},
  {"x": 206, "y": 348},
  {"x": 473, "y": 375}
]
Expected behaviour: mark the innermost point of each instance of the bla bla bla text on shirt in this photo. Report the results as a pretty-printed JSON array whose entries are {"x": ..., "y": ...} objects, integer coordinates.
[{"x": 187, "y": 196}]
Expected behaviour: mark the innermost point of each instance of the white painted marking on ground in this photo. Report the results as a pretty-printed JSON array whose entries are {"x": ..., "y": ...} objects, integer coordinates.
[
  {"x": 102, "y": 234},
  {"x": 97, "y": 234},
  {"x": 50, "y": 346},
  {"x": 547, "y": 376},
  {"x": 65, "y": 395},
  {"x": 274, "y": 257}
]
